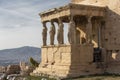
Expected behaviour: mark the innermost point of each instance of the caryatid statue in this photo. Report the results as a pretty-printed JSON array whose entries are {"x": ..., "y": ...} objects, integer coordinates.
[
  {"x": 89, "y": 30},
  {"x": 44, "y": 34},
  {"x": 52, "y": 33},
  {"x": 72, "y": 31},
  {"x": 60, "y": 33}
]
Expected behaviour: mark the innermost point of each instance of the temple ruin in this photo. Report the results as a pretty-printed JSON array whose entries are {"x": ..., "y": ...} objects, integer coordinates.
[{"x": 93, "y": 36}]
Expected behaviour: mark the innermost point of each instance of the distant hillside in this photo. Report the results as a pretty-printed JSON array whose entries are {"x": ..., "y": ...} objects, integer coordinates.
[{"x": 14, "y": 56}]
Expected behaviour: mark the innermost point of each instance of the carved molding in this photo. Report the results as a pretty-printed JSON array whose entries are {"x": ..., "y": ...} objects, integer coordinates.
[
  {"x": 54, "y": 11},
  {"x": 75, "y": 9}
]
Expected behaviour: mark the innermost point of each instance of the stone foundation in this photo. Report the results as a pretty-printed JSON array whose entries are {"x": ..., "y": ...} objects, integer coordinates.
[{"x": 67, "y": 61}]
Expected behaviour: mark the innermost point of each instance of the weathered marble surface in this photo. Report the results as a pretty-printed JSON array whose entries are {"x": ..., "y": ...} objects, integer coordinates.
[{"x": 101, "y": 30}]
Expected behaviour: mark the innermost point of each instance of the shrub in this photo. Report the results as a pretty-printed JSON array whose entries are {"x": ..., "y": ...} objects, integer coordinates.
[{"x": 33, "y": 62}]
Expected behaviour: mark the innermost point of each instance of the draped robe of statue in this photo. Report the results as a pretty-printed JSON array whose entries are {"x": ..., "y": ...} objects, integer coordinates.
[
  {"x": 60, "y": 33},
  {"x": 52, "y": 33},
  {"x": 44, "y": 34},
  {"x": 72, "y": 32}
]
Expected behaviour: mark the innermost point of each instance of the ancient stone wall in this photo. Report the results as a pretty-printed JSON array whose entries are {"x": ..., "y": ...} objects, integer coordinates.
[
  {"x": 113, "y": 25},
  {"x": 56, "y": 54},
  {"x": 66, "y": 54},
  {"x": 67, "y": 60},
  {"x": 112, "y": 34}
]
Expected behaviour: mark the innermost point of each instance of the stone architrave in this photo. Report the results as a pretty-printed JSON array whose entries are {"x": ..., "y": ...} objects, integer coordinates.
[
  {"x": 60, "y": 33},
  {"x": 44, "y": 34},
  {"x": 52, "y": 33},
  {"x": 72, "y": 31}
]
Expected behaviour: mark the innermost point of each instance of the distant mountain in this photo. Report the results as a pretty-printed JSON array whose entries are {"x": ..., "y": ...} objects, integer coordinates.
[{"x": 14, "y": 56}]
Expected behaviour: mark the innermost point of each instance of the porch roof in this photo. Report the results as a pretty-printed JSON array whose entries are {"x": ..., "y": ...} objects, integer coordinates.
[{"x": 72, "y": 9}]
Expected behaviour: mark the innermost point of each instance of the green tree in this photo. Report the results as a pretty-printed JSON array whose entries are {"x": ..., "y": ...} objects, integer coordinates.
[{"x": 33, "y": 62}]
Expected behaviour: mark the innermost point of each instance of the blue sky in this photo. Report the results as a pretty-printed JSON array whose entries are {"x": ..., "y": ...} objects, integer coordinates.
[{"x": 20, "y": 23}]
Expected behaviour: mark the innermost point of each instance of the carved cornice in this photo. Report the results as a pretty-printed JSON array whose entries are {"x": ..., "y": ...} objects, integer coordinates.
[
  {"x": 55, "y": 10},
  {"x": 67, "y": 10}
]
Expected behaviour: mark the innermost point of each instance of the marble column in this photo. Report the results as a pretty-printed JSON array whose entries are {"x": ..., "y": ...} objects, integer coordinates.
[
  {"x": 60, "y": 33},
  {"x": 98, "y": 25},
  {"x": 52, "y": 33},
  {"x": 102, "y": 33},
  {"x": 77, "y": 36},
  {"x": 72, "y": 31},
  {"x": 99, "y": 34},
  {"x": 89, "y": 30},
  {"x": 44, "y": 34}
]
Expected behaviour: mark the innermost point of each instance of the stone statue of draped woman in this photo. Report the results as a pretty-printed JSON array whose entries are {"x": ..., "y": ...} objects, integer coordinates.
[
  {"x": 72, "y": 31},
  {"x": 60, "y": 34},
  {"x": 44, "y": 34},
  {"x": 52, "y": 33}
]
